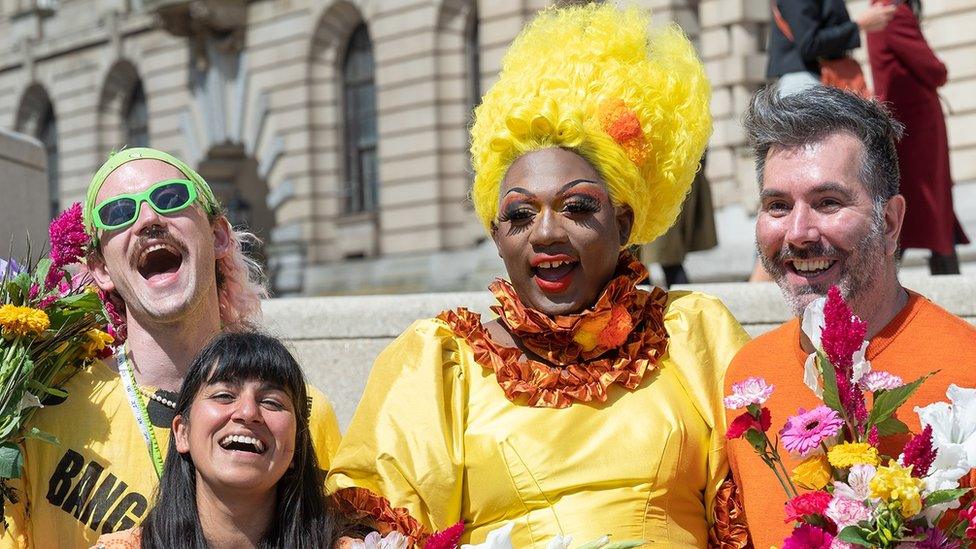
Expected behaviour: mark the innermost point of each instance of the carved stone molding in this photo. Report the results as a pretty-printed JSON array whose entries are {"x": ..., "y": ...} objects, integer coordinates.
[{"x": 220, "y": 22}]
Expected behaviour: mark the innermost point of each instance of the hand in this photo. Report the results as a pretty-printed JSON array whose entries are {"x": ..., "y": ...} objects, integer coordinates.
[{"x": 875, "y": 17}]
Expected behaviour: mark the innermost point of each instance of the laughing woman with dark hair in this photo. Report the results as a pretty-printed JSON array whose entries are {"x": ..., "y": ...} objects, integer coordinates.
[{"x": 241, "y": 470}]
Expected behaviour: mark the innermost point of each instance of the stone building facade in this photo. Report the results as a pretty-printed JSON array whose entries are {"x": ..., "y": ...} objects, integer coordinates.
[{"x": 335, "y": 129}]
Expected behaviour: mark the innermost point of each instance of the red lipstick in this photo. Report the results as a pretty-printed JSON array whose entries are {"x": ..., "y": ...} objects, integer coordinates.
[{"x": 553, "y": 280}]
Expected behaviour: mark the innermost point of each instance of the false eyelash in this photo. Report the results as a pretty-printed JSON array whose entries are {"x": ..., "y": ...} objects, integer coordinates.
[
  {"x": 584, "y": 204},
  {"x": 511, "y": 214}
]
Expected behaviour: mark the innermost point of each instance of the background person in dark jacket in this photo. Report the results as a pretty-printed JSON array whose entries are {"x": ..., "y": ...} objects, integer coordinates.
[
  {"x": 821, "y": 28},
  {"x": 907, "y": 75}
]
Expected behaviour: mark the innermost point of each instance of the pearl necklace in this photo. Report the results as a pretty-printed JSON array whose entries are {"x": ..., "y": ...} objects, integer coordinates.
[{"x": 158, "y": 398}]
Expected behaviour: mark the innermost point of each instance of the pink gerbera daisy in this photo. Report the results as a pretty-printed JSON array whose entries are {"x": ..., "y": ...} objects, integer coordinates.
[{"x": 806, "y": 430}]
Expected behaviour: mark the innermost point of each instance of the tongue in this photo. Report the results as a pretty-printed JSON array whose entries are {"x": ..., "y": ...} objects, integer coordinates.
[{"x": 555, "y": 273}]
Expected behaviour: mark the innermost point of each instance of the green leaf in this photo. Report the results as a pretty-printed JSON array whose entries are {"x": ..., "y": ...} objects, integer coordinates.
[
  {"x": 831, "y": 396},
  {"x": 84, "y": 300},
  {"x": 891, "y": 426},
  {"x": 11, "y": 461},
  {"x": 856, "y": 535},
  {"x": 944, "y": 496},
  {"x": 41, "y": 270},
  {"x": 42, "y": 436},
  {"x": 886, "y": 403},
  {"x": 756, "y": 439}
]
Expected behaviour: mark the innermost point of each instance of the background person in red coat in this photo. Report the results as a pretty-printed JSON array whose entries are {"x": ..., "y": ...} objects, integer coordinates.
[{"x": 907, "y": 74}]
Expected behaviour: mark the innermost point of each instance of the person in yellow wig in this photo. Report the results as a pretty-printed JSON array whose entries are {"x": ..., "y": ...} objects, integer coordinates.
[{"x": 590, "y": 406}]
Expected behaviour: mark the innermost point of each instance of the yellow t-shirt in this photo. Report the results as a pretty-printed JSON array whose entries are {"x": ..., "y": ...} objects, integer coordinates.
[
  {"x": 436, "y": 435},
  {"x": 101, "y": 478}
]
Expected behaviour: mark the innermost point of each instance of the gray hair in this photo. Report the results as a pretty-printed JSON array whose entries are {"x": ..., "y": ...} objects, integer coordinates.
[{"x": 814, "y": 114}]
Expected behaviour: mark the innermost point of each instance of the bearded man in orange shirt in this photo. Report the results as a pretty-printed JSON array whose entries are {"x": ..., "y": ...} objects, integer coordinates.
[{"x": 831, "y": 214}]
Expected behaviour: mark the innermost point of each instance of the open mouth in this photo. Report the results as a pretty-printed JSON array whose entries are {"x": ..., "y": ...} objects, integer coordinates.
[
  {"x": 555, "y": 275},
  {"x": 810, "y": 268},
  {"x": 159, "y": 259},
  {"x": 242, "y": 443}
]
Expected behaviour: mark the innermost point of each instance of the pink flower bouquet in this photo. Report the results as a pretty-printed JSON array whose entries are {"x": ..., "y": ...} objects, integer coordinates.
[
  {"x": 51, "y": 325},
  {"x": 845, "y": 493}
]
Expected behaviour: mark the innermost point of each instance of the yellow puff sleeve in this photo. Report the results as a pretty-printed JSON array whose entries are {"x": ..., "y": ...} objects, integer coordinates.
[
  {"x": 704, "y": 333},
  {"x": 401, "y": 461},
  {"x": 324, "y": 427}
]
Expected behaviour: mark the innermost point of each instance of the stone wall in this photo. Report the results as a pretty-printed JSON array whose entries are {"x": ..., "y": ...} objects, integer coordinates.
[
  {"x": 263, "y": 121},
  {"x": 23, "y": 195},
  {"x": 336, "y": 339}
]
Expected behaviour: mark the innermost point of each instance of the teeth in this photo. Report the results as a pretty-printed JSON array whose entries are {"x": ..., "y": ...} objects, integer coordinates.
[
  {"x": 145, "y": 253},
  {"x": 811, "y": 265},
  {"x": 551, "y": 264},
  {"x": 243, "y": 439}
]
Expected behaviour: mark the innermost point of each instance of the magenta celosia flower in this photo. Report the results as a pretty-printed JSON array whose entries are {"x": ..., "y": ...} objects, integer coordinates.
[
  {"x": 753, "y": 390},
  {"x": 68, "y": 237},
  {"x": 880, "y": 381},
  {"x": 810, "y": 503},
  {"x": 846, "y": 512},
  {"x": 843, "y": 331},
  {"x": 919, "y": 453},
  {"x": 804, "y": 432},
  {"x": 117, "y": 326},
  {"x": 873, "y": 437},
  {"x": 808, "y": 537},
  {"x": 446, "y": 539}
]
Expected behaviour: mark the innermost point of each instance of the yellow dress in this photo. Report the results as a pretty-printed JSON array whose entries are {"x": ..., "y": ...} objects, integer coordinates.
[{"x": 436, "y": 436}]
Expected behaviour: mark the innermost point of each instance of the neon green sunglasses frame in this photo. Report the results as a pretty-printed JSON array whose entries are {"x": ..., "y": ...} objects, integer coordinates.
[{"x": 144, "y": 196}]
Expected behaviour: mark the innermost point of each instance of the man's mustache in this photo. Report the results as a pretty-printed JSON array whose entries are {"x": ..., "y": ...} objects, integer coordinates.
[
  {"x": 819, "y": 249},
  {"x": 155, "y": 235}
]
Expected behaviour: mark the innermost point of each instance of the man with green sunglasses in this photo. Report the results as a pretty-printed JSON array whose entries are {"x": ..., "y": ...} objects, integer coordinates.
[
  {"x": 173, "y": 271},
  {"x": 166, "y": 197}
]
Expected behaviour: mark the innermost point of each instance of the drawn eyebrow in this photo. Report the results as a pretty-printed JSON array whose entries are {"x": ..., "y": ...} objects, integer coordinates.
[
  {"x": 575, "y": 182},
  {"x": 520, "y": 190}
]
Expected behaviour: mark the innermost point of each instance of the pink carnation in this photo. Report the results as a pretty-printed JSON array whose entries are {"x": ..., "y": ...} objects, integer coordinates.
[
  {"x": 846, "y": 512},
  {"x": 753, "y": 390},
  {"x": 878, "y": 381},
  {"x": 808, "y": 537},
  {"x": 804, "y": 432}
]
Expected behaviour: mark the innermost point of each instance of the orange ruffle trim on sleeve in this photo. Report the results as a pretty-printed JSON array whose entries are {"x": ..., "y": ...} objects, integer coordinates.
[
  {"x": 360, "y": 503},
  {"x": 730, "y": 530},
  {"x": 618, "y": 340}
]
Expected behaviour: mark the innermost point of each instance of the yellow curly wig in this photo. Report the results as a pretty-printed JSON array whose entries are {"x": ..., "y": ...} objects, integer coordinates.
[{"x": 593, "y": 79}]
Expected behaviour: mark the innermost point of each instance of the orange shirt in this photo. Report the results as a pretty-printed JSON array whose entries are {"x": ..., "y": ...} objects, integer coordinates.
[{"x": 923, "y": 337}]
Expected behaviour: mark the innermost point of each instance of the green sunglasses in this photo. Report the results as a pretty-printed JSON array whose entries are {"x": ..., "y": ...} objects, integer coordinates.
[{"x": 166, "y": 197}]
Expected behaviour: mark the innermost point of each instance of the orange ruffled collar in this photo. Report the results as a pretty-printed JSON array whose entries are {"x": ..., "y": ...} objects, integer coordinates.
[{"x": 618, "y": 340}]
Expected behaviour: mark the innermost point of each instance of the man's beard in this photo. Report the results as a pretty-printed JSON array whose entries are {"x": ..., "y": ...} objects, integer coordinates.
[{"x": 860, "y": 267}]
